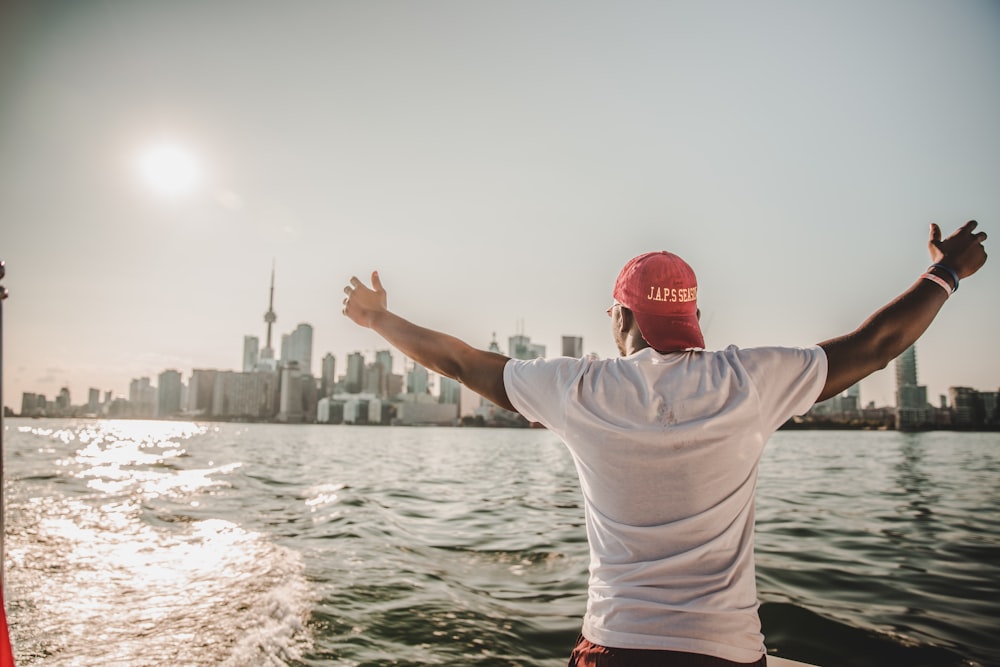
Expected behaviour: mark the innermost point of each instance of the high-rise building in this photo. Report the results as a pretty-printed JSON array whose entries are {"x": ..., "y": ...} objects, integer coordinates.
[
  {"x": 285, "y": 339},
  {"x": 63, "y": 403},
  {"x": 93, "y": 400},
  {"x": 251, "y": 351},
  {"x": 245, "y": 395},
  {"x": 30, "y": 404},
  {"x": 912, "y": 409},
  {"x": 572, "y": 346},
  {"x": 906, "y": 367},
  {"x": 384, "y": 357},
  {"x": 328, "y": 375},
  {"x": 965, "y": 406},
  {"x": 291, "y": 394},
  {"x": 383, "y": 368},
  {"x": 355, "y": 372},
  {"x": 201, "y": 390},
  {"x": 417, "y": 380},
  {"x": 374, "y": 380},
  {"x": 521, "y": 347},
  {"x": 297, "y": 347},
  {"x": 450, "y": 391},
  {"x": 142, "y": 397},
  {"x": 168, "y": 400}
]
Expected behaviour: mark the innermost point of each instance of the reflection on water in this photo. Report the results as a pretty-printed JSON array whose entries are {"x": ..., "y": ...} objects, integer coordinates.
[{"x": 105, "y": 567}]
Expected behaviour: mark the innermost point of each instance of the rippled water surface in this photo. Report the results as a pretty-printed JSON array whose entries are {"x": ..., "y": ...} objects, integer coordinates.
[{"x": 171, "y": 543}]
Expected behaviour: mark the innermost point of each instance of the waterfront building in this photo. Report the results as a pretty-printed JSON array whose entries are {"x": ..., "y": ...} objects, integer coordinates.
[
  {"x": 417, "y": 380},
  {"x": 290, "y": 409},
  {"x": 330, "y": 411},
  {"x": 201, "y": 391},
  {"x": 168, "y": 399},
  {"x": 93, "y": 401},
  {"x": 63, "y": 403},
  {"x": 296, "y": 347},
  {"x": 383, "y": 385},
  {"x": 32, "y": 404},
  {"x": 251, "y": 353},
  {"x": 912, "y": 409},
  {"x": 250, "y": 396},
  {"x": 355, "y": 373},
  {"x": 328, "y": 375},
  {"x": 449, "y": 391},
  {"x": 142, "y": 398},
  {"x": 521, "y": 347},
  {"x": 572, "y": 346},
  {"x": 974, "y": 409},
  {"x": 423, "y": 409}
]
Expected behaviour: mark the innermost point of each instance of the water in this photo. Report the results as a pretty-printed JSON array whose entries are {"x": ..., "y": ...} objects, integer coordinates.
[{"x": 156, "y": 543}]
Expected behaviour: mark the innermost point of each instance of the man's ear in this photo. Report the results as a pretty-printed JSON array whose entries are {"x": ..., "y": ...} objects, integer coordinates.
[{"x": 627, "y": 318}]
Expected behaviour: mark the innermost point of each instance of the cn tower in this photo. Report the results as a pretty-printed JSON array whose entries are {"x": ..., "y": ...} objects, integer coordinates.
[{"x": 270, "y": 317}]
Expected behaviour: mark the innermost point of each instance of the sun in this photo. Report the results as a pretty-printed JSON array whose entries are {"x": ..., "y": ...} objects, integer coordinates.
[{"x": 169, "y": 169}]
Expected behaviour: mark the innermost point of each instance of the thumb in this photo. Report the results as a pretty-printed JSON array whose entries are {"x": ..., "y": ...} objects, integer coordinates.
[
  {"x": 377, "y": 282},
  {"x": 935, "y": 234}
]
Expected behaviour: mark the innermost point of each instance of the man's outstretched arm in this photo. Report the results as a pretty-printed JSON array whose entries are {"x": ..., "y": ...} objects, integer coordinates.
[
  {"x": 897, "y": 325},
  {"x": 479, "y": 370}
]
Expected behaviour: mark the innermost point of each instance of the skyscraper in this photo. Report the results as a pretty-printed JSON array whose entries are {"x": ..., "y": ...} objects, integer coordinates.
[
  {"x": 906, "y": 367},
  {"x": 911, "y": 399},
  {"x": 168, "y": 399},
  {"x": 383, "y": 370},
  {"x": 450, "y": 391},
  {"x": 251, "y": 349},
  {"x": 328, "y": 375},
  {"x": 572, "y": 346},
  {"x": 521, "y": 347},
  {"x": 201, "y": 389},
  {"x": 297, "y": 347},
  {"x": 417, "y": 380},
  {"x": 291, "y": 394},
  {"x": 384, "y": 357},
  {"x": 355, "y": 372}
]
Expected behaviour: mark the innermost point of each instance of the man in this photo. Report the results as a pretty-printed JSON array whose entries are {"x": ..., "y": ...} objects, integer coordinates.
[{"x": 667, "y": 439}]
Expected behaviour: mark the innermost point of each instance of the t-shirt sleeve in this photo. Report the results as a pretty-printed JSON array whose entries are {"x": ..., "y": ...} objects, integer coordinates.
[
  {"x": 539, "y": 388},
  {"x": 788, "y": 380}
]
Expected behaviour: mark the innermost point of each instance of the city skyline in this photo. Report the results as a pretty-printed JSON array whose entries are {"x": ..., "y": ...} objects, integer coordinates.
[
  {"x": 498, "y": 163},
  {"x": 297, "y": 346}
]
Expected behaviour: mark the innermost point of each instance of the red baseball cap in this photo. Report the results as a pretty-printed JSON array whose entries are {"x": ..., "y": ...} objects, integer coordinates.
[{"x": 662, "y": 292}]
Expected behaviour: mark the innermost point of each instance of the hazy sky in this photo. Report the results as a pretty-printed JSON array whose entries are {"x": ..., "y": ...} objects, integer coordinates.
[{"x": 498, "y": 162}]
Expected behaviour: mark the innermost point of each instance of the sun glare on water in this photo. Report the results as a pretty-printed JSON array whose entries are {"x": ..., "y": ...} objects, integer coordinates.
[{"x": 169, "y": 169}]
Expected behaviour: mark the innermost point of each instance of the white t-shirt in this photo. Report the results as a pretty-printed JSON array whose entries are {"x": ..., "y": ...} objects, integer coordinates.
[{"x": 667, "y": 448}]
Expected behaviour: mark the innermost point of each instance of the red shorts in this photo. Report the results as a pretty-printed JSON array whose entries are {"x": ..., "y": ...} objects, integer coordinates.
[{"x": 589, "y": 654}]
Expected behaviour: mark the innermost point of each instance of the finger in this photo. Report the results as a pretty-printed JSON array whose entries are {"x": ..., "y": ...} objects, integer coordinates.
[
  {"x": 355, "y": 283},
  {"x": 935, "y": 234},
  {"x": 347, "y": 291},
  {"x": 376, "y": 282}
]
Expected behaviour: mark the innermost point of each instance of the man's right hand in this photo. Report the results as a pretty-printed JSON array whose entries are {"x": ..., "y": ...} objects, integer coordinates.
[{"x": 898, "y": 324}]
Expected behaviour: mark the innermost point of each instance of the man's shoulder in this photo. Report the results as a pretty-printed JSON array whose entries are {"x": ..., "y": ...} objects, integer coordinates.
[{"x": 772, "y": 358}]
